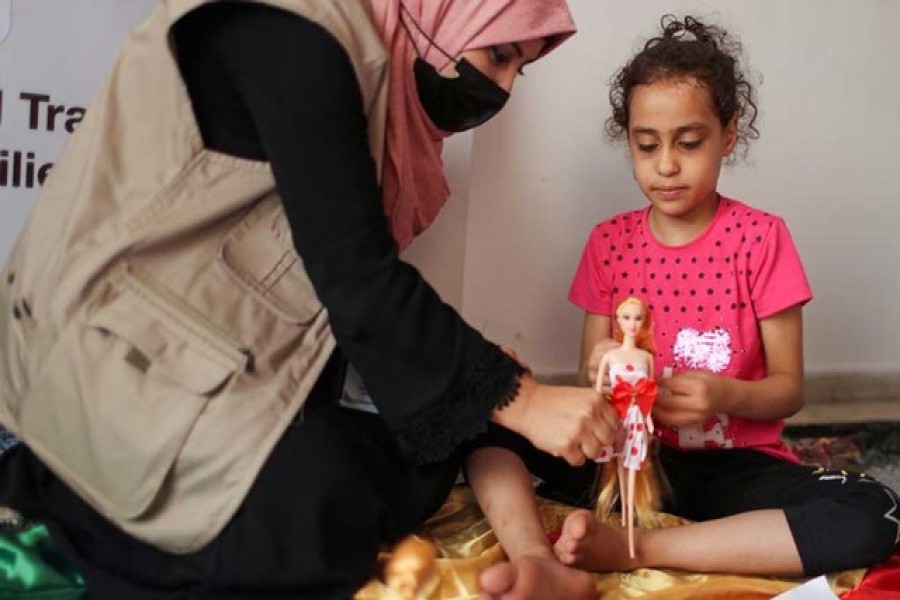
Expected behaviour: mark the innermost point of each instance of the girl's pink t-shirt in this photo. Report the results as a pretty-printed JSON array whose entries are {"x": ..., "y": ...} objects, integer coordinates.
[{"x": 706, "y": 298}]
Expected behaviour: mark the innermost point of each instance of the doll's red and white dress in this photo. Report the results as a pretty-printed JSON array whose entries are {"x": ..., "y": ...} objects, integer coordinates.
[{"x": 632, "y": 396}]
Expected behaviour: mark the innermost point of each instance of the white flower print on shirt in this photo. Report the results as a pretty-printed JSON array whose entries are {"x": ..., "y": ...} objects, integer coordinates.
[{"x": 706, "y": 350}]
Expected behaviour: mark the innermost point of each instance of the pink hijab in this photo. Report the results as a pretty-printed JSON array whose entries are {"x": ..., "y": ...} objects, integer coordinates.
[{"x": 413, "y": 184}]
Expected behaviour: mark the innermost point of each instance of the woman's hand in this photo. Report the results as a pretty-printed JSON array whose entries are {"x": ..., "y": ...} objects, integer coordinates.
[
  {"x": 689, "y": 398},
  {"x": 570, "y": 422}
]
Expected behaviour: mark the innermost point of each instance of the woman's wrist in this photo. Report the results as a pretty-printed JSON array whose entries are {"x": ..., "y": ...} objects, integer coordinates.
[{"x": 512, "y": 416}]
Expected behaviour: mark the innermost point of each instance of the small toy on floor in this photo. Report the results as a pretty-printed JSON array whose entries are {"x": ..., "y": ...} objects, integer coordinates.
[{"x": 411, "y": 573}]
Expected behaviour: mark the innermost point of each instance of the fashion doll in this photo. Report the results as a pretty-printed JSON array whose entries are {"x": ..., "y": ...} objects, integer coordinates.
[{"x": 629, "y": 369}]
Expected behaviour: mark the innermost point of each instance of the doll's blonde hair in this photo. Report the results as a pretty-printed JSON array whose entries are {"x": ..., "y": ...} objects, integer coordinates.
[{"x": 648, "y": 490}]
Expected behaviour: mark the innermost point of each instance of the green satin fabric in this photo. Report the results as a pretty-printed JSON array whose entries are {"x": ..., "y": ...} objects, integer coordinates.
[{"x": 32, "y": 567}]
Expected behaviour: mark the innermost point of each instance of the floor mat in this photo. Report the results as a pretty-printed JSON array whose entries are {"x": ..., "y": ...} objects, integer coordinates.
[{"x": 873, "y": 448}]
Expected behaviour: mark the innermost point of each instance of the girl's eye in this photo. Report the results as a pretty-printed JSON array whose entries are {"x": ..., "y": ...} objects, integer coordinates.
[
  {"x": 646, "y": 148},
  {"x": 692, "y": 144}
]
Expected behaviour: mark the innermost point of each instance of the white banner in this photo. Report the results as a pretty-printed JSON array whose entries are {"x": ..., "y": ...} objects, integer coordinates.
[{"x": 54, "y": 54}]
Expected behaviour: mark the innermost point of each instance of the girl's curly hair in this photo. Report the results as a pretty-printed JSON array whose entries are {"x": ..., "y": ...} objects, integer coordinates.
[{"x": 689, "y": 50}]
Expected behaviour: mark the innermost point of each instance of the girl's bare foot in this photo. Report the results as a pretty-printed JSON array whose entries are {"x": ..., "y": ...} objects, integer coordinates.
[
  {"x": 588, "y": 544},
  {"x": 536, "y": 578}
]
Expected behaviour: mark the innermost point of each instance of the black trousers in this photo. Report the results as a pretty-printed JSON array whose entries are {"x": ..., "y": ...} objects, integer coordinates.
[
  {"x": 839, "y": 520},
  {"x": 333, "y": 491}
]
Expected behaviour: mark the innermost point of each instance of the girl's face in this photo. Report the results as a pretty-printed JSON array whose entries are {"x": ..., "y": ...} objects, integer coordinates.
[
  {"x": 677, "y": 145},
  {"x": 501, "y": 62},
  {"x": 630, "y": 317}
]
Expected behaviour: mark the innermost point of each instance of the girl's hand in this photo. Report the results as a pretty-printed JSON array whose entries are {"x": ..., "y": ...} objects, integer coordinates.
[
  {"x": 689, "y": 398},
  {"x": 573, "y": 423},
  {"x": 593, "y": 362}
]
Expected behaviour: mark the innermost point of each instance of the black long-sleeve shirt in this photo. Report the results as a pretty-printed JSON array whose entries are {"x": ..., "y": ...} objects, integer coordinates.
[{"x": 269, "y": 85}]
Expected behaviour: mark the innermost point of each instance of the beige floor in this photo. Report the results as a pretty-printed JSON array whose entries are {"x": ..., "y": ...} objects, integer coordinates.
[{"x": 856, "y": 411}]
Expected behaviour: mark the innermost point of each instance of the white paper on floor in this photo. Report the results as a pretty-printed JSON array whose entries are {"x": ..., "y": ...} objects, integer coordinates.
[{"x": 814, "y": 589}]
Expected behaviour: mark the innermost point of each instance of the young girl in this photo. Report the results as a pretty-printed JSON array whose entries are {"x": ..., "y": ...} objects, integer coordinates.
[{"x": 725, "y": 286}]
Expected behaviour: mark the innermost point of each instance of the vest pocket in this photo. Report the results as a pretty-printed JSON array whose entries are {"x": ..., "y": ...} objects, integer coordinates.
[
  {"x": 259, "y": 253},
  {"x": 121, "y": 391}
]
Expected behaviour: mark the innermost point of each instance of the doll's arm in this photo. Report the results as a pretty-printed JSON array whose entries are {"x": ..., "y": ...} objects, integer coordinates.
[
  {"x": 648, "y": 417},
  {"x": 601, "y": 371},
  {"x": 690, "y": 397}
]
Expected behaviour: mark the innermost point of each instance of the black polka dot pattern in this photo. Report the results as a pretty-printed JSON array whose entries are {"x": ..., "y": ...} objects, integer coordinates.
[{"x": 702, "y": 285}]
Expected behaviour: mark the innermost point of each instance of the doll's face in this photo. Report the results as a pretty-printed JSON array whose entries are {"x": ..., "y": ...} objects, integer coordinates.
[
  {"x": 405, "y": 576},
  {"x": 630, "y": 317},
  {"x": 411, "y": 569}
]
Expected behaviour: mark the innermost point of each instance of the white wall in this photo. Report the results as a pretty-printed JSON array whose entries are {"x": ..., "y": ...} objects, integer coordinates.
[
  {"x": 60, "y": 49},
  {"x": 439, "y": 252},
  {"x": 542, "y": 173}
]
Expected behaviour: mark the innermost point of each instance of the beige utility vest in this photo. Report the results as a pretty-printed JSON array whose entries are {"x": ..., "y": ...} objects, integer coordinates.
[{"x": 158, "y": 330}]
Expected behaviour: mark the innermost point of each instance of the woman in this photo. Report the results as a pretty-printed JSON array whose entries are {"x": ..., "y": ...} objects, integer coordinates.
[{"x": 211, "y": 253}]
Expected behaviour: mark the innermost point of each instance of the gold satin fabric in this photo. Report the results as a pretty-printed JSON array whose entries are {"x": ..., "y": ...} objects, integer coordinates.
[{"x": 466, "y": 546}]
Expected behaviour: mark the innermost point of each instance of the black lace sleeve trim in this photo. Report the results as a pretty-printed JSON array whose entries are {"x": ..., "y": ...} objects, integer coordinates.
[{"x": 437, "y": 432}]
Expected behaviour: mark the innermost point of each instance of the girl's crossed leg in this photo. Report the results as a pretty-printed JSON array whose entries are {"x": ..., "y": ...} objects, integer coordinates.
[{"x": 755, "y": 513}]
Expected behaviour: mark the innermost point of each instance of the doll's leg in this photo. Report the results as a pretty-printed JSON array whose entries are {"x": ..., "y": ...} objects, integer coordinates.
[{"x": 630, "y": 506}]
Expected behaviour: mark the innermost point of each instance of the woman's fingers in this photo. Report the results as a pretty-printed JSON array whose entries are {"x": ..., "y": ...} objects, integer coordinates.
[{"x": 607, "y": 425}]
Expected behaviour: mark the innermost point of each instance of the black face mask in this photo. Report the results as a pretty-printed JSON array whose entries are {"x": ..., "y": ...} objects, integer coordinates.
[{"x": 459, "y": 103}]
